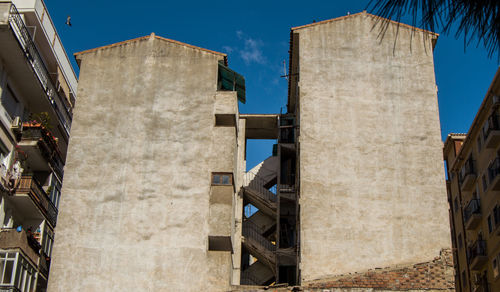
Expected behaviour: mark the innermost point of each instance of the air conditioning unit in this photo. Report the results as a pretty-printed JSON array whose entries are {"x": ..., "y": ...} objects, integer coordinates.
[{"x": 16, "y": 125}]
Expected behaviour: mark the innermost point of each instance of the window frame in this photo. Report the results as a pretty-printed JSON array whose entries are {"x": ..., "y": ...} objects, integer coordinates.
[{"x": 221, "y": 179}]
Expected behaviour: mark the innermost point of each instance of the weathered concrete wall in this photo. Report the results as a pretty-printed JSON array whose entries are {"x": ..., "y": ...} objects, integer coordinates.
[
  {"x": 238, "y": 203},
  {"x": 372, "y": 190},
  {"x": 135, "y": 204}
]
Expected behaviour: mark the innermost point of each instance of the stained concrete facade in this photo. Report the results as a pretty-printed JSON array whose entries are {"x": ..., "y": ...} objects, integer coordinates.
[
  {"x": 372, "y": 191},
  {"x": 140, "y": 205},
  {"x": 146, "y": 205}
]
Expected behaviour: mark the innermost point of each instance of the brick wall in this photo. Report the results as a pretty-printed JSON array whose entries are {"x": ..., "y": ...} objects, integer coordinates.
[{"x": 437, "y": 274}]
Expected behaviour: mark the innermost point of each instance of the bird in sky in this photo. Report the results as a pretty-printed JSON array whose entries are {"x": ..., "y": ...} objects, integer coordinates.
[{"x": 68, "y": 20}]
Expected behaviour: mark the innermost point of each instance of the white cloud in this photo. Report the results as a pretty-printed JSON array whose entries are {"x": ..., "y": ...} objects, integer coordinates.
[
  {"x": 228, "y": 49},
  {"x": 252, "y": 51}
]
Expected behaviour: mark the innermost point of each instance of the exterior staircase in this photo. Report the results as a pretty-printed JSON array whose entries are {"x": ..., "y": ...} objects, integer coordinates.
[
  {"x": 257, "y": 274},
  {"x": 259, "y": 230},
  {"x": 265, "y": 223},
  {"x": 259, "y": 246},
  {"x": 256, "y": 194}
]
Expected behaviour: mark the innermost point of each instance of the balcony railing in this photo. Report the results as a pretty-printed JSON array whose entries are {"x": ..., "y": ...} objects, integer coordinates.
[
  {"x": 477, "y": 254},
  {"x": 47, "y": 142},
  {"x": 36, "y": 62},
  {"x": 472, "y": 214},
  {"x": 493, "y": 172},
  {"x": 30, "y": 186},
  {"x": 467, "y": 175},
  {"x": 491, "y": 125}
]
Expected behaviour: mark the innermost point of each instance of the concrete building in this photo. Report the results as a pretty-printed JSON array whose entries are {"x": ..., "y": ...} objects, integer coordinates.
[
  {"x": 370, "y": 172},
  {"x": 473, "y": 169},
  {"x": 37, "y": 93},
  {"x": 352, "y": 198}
]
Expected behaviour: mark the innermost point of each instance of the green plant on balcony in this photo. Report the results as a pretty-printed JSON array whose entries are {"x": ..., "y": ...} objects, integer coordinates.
[{"x": 42, "y": 118}]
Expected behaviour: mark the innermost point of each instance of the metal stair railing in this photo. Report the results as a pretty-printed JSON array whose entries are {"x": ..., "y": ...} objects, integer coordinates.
[
  {"x": 256, "y": 183},
  {"x": 252, "y": 231},
  {"x": 248, "y": 278}
]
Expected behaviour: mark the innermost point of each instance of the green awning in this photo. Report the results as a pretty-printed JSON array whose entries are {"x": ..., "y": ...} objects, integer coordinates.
[{"x": 230, "y": 80}]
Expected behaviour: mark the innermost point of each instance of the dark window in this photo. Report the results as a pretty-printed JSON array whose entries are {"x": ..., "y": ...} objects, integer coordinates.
[
  {"x": 460, "y": 243},
  {"x": 222, "y": 179},
  {"x": 485, "y": 185},
  {"x": 464, "y": 280},
  {"x": 455, "y": 204},
  {"x": 10, "y": 102},
  {"x": 225, "y": 120},
  {"x": 490, "y": 224},
  {"x": 496, "y": 215},
  {"x": 479, "y": 143}
]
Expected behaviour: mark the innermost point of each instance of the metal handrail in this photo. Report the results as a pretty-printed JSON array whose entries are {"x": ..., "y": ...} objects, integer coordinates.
[
  {"x": 492, "y": 123},
  {"x": 252, "y": 231},
  {"x": 494, "y": 169},
  {"x": 35, "y": 190},
  {"x": 36, "y": 62},
  {"x": 477, "y": 249},
  {"x": 53, "y": 155},
  {"x": 257, "y": 183},
  {"x": 467, "y": 169},
  {"x": 474, "y": 207}
]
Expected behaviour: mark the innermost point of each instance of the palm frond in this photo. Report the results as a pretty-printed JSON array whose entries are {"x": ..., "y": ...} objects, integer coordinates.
[{"x": 476, "y": 20}]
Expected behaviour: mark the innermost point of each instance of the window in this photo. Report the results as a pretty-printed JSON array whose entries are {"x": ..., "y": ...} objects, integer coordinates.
[
  {"x": 47, "y": 241},
  {"x": 10, "y": 103},
  {"x": 455, "y": 204},
  {"x": 222, "y": 179},
  {"x": 54, "y": 191},
  {"x": 496, "y": 215},
  {"x": 464, "y": 280},
  {"x": 479, "y": 143},
  {"x": 485, "y": 184},
  {"x": 460, "y": 243},
  {"x": 16, "y": 271},
  {"x": 490, "y": 224}
]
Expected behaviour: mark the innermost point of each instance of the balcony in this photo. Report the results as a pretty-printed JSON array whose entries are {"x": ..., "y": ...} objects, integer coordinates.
[
  {"x": 493, "y": 175},
  {"x": 13, "y": 239},
  {"x": 30, "y": 190},
  {"x": 40, "y": 148},
  {"x": 491, "y": 132},
  {"x": 472, "y": 214},
  {"x": 467, "y": 175},
  {"x": 26, "y": 63},
  {"x": 477, "y": 255}
]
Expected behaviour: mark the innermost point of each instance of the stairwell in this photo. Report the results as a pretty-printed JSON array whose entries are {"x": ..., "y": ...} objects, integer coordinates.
[{"x": 259, "y": 189}]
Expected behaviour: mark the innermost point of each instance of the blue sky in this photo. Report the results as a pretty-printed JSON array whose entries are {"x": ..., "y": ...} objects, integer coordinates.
[{"x": 255, "y": 35}]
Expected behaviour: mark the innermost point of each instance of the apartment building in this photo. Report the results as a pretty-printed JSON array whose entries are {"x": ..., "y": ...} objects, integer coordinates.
[
  {"x": 473, "y": 168},
  {"x": 353, "y": 196},
  {"x": 37, "y": 93}
]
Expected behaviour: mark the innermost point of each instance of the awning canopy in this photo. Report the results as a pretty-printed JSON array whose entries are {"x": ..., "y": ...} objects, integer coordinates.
[{"x": 230, "y": 80}]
